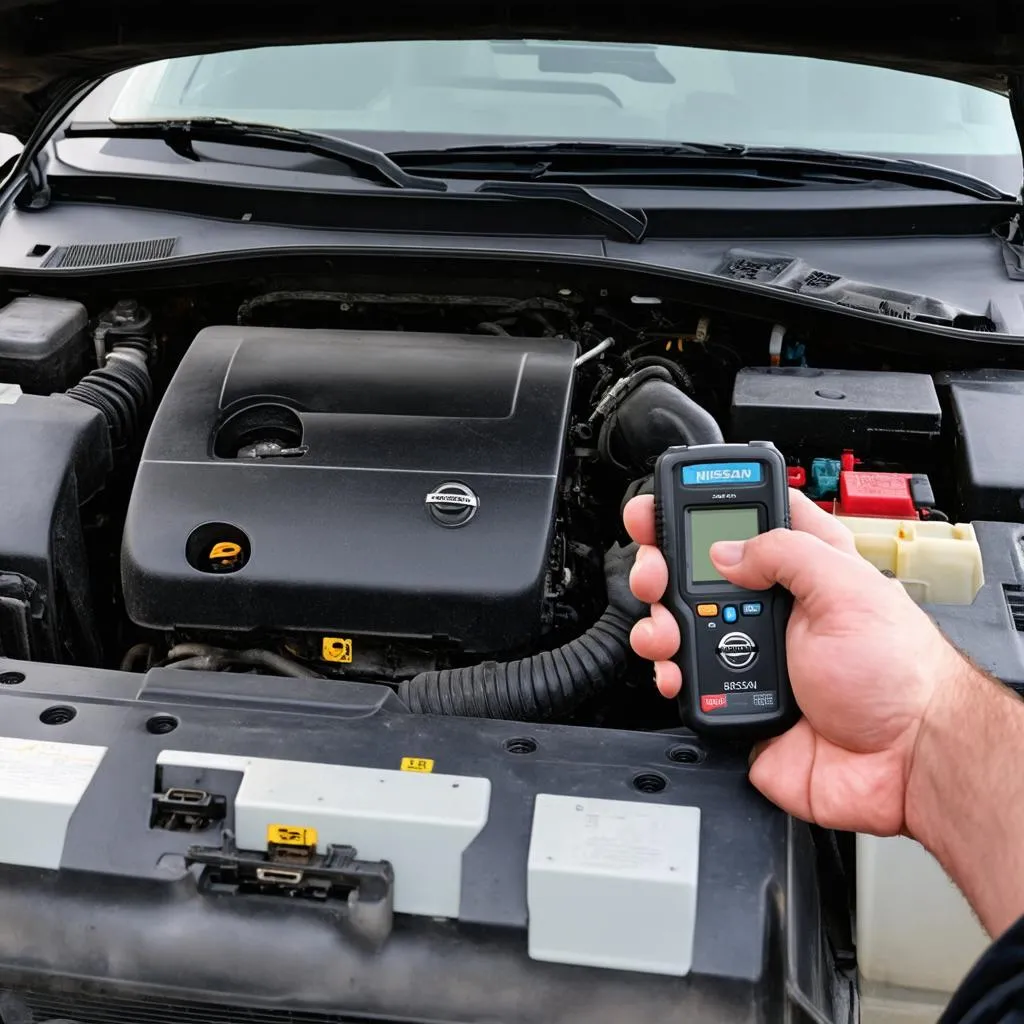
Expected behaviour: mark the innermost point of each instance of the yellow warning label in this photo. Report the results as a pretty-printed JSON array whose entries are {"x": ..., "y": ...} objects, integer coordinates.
[
  {"x": 337, "y": 648},
  {"x": 289, "y": 835},
  {"x": 417, "y": 764},
  {"x": 225, "y": 549}
]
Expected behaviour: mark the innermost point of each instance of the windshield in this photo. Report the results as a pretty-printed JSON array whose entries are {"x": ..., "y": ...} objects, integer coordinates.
[{"x": 417, "y": 94}]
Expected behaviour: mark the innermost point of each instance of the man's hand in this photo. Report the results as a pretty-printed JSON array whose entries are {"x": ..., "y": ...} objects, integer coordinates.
[{"x": 864, "y": 661}]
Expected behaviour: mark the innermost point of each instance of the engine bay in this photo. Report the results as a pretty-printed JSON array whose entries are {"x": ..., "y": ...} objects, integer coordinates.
[{"x": 424, "y": 488}]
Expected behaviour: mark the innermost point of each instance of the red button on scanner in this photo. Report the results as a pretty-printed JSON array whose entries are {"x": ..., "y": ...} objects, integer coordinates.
[{"x": 713, "y": 701}]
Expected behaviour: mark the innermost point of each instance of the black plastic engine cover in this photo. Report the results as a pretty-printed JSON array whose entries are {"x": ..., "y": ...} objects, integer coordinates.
[{"x": 341, "y": 539}]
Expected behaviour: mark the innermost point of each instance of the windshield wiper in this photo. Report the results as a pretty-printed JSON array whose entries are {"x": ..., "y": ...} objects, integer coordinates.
[
  {"x": 181, "y": 135},
  {"x": 596, "y": 162},
  {"x": 916, "y": 173},
  {"x": 572, "y": 147},
  {"x": 634, "y": 228}
]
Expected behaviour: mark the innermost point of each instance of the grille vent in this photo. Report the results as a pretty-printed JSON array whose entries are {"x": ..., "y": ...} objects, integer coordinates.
[
  {"x": 95, "y": 1009},
  {"x": 1015, "y": 603},
  {"x": 109, "y": 254}
]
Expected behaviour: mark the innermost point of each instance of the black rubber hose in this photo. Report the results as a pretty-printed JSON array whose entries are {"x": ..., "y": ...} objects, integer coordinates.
[
  {"x": 679, "y": 374},
  {"x": 121, "y": 390},
  {"x": 202, "y": 663},
  {"x": 140, "y": 652},
  {"x": 649, "y": 415},
  {"x": 548, "y": 685}
]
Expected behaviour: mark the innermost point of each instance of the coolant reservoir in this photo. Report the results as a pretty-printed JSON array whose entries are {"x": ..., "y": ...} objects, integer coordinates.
[{"x": 938, "y": 563}]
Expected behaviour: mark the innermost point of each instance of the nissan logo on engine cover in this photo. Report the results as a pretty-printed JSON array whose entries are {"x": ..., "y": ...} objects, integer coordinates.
[
  {"x": 452, "y": 504},
  {"x": 736, "y": 651}
]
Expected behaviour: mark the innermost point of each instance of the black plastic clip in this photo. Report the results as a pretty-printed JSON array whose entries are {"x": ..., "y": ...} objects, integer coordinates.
[{"x": 365, "y": 888}]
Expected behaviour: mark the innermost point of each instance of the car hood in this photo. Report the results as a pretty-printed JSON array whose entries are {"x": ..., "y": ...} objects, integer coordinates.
[{"x": 50, "y": 47}]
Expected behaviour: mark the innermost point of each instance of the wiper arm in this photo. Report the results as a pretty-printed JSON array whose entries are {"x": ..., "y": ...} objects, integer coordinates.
[
  {"x": 632, "y": 227},
  {"x": 566, "y": 161},
  {"x": 180, "y": 135}
]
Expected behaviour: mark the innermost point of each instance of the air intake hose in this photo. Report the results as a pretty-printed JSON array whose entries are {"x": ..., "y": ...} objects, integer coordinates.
[
  {"x": 121, "y": 389},
  {"x": 547, "y": 685},
  {"x": 647, "y": 413}
]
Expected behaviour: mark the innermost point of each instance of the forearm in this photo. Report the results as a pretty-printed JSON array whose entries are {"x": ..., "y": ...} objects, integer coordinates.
[{"x": 965, "y": 792}]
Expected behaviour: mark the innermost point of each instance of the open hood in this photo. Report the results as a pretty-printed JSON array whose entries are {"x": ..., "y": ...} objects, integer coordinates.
[{"x": 47, "y": 45}]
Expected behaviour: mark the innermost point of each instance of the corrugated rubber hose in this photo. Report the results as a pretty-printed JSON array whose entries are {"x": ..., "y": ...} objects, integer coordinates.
[
  {"x": 544, "y": 686},
  {"x": 121, "y": 390}
]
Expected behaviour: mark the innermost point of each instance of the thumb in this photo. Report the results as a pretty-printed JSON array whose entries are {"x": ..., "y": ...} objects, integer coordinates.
[
  {"x": 804, "y": 564},
  {"x": 781, "y": 769}
]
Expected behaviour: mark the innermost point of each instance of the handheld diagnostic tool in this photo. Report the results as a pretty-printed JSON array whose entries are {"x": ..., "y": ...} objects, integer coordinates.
[{"x": 733, "y": 653}]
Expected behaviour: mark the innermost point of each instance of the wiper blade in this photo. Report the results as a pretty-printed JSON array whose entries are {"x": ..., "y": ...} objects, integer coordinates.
[
  {"x": 595, "y": 161},
  {"x": 632, "y": 227},
  {"x": 582, "y": 146},
  {"x": 917, "y": 173},
  {"x": 180, "y": 136}
]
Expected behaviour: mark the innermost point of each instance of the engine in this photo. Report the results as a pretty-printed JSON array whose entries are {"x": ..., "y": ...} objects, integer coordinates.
[
  {"x": 425, "y": 489},
  {"x": 338, "y": 486}
]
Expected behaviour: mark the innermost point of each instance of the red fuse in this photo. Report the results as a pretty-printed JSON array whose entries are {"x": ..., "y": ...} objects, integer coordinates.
[
  {"x": 796, "y": 476},
  {"x": 877, "y": 495}
]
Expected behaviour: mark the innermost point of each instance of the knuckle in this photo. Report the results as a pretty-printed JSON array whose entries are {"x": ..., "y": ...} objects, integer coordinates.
[{"x": 771, "y": 545}]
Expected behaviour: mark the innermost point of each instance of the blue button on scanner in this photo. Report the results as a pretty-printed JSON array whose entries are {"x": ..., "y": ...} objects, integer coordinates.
[
  {"x": 729, "y": 613},
  {"x": 752, "y": 608}
]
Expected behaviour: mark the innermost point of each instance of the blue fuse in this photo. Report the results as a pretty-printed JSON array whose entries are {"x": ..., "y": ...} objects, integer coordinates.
[{"x": 824, "y": 478}]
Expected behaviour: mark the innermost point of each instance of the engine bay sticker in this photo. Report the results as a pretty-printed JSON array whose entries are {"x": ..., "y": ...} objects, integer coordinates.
[
  {"x": 417, "y": 764},
  {"x": 290, "y": 835},
  {"x": 337, "y": 649},
  {"x": 41, "y": 786},
  {"x": 42, "y": 770}
]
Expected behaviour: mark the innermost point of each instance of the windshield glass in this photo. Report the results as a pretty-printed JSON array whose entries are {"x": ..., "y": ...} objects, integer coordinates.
[{"x": 483, "y": 90}]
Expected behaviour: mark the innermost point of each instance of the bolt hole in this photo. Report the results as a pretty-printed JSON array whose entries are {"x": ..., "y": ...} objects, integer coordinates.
[
  {"x": 161, "y": 725},
  {"x": 59, "y": 714},
  {"x": 649, "y": 782},
  {"x": 11, "y": 678},
  {"x": 521, "y": 745},
  {"x": 683, "y": 754}
]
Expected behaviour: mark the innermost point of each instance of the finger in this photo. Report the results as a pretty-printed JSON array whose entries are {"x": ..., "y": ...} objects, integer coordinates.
[
  {"x": 804, "y": 564},
  {"x": 668, "y": 678},
  {"x": 807, "y": 516},
  {"x": 649, "y": 576},
  {"x": 781, "y": 769},
  {"x": 656, "y": 638},
  {"x": 638, "y": 517}
]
